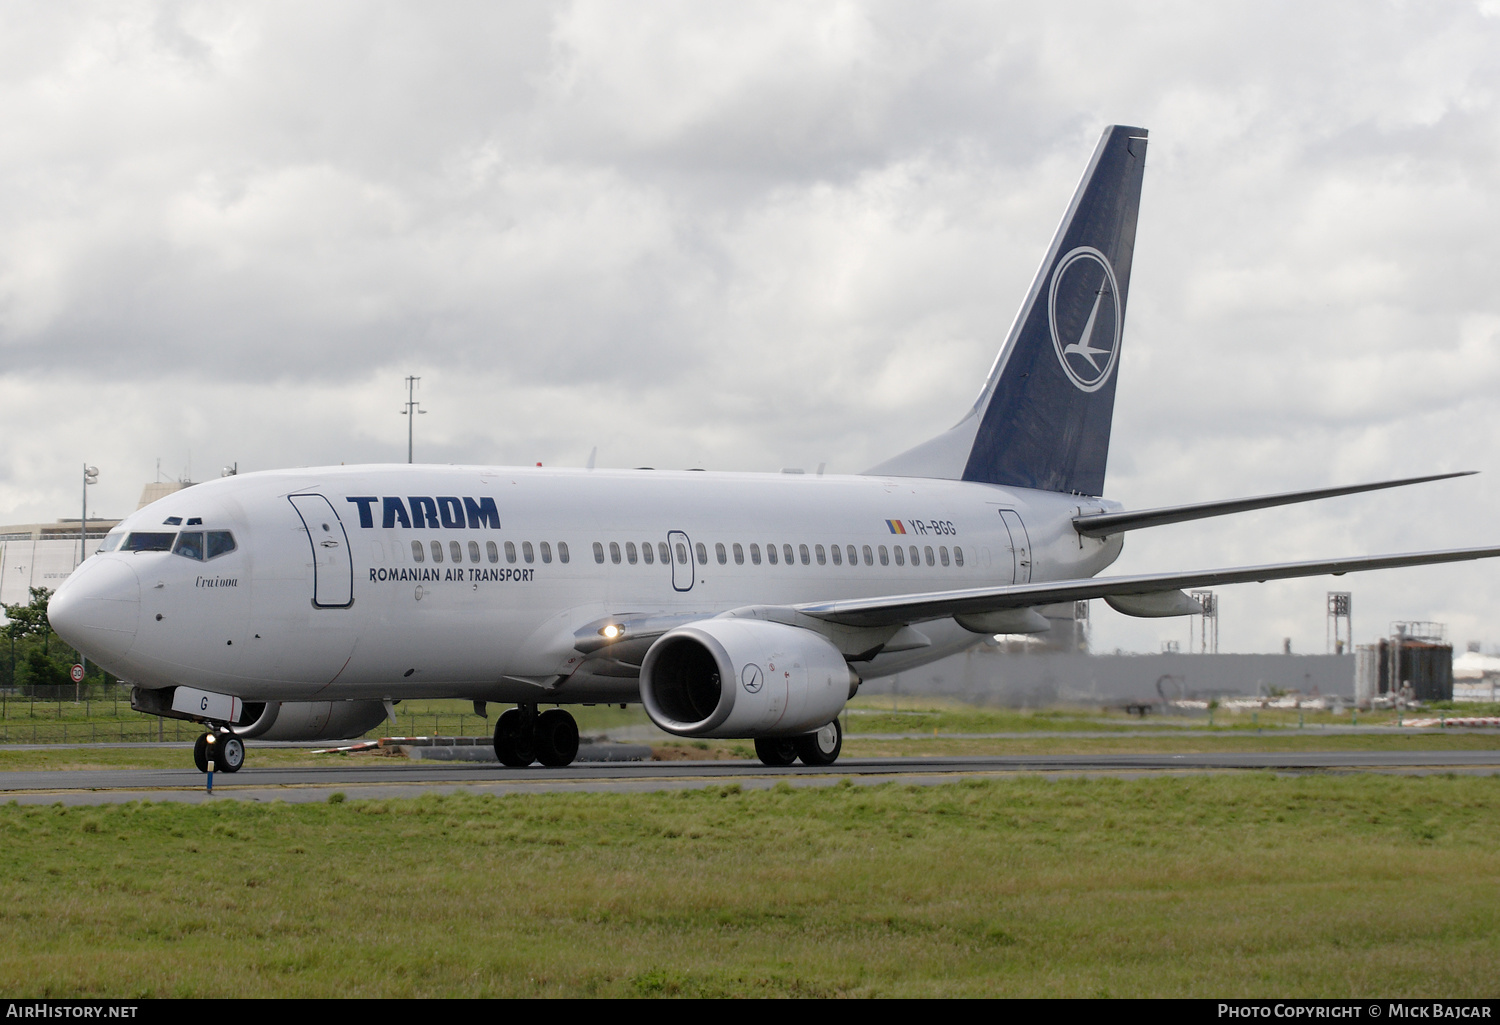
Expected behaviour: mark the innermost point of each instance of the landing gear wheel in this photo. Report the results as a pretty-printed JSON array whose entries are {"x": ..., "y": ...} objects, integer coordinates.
[
  {"x": 776, "y": 750},
  {"x": 822, "y": 746},
  {"x": 232, "y": 753},
  {"x": 200, "y": 752},
  {"x": 556, "y": 738},
  {"x": 515, "y": 743}
]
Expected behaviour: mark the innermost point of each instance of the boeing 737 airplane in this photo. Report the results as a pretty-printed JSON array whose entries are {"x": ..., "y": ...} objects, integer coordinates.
[{"x": 302, "y": 604}]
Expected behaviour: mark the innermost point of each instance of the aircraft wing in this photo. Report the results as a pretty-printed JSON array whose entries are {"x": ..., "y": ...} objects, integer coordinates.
[{"x": 916, "y": 608}]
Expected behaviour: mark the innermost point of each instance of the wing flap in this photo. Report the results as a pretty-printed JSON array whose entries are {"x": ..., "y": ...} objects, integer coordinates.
[{"x": 916, "y": 608}]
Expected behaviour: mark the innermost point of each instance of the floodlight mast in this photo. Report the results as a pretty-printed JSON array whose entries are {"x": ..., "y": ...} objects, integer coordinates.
[{"x": 410, "y": 412}]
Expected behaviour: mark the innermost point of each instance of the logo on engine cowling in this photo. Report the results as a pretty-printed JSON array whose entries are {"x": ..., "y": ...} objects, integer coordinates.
[{"x": 751, "y": 677}]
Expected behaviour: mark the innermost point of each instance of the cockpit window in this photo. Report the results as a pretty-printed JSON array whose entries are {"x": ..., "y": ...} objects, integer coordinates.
[
  {"x": 220, "y": 542},
  {"x": 148, "y": 542},
  {"x": 112, "y": 541},
  {"x": 189, "y": 545}
]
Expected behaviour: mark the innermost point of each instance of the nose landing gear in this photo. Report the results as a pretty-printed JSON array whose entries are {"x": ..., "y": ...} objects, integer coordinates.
[
  {"x": 522, "y": 737},
  {"x": 225, "y": 750}
]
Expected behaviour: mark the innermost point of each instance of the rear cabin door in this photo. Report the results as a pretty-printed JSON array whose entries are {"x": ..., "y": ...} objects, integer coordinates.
[
  {"x": 1020, "y": 546},
  {"x": 682, "y": 560},
  {"x": 333, "y": 563}
]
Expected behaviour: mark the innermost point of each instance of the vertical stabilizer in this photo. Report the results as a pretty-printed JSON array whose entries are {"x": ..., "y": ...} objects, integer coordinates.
[{"x": 1043, "y": 418}]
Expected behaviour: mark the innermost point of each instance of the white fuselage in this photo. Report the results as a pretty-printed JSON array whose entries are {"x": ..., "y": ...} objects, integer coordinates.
[{"x": 330, "y": 601}]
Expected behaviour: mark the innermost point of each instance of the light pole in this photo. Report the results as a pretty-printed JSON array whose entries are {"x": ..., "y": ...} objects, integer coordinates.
[
  {"x": 411, "y": 411},
  {"x": 90, "y": 476}
]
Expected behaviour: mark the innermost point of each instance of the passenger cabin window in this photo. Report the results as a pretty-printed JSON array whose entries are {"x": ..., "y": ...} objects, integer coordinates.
[
  {"x": 885, "y": 559},
  {"x": 546, "y": 553},
  {"x": 189, "y": 545},
  {"x": 527, "y": 552},
  {"x": 666, "y": 556},
  {"x": 802, "y": 551},
  {"x": 599, "y": 553},
  {"x": 786, "y": 550},
  {"x": 456, "y": 550},
  {"x": 838, "y": 555},
  {"x": 943, "y": 554},
  {"x": 492, "y": 551},
  {"x": 510, "y": 551},
  {"x": 900, "y": 558},
  {"x": 916, "y": 560},
  {"x": 614, "y": 552},
  {"x": 473, "y": 551},
  {"x": 703, "y": 553},
  {"x": 771, "y": 554},
  {"x": 958, "y": 556},
  {"x": 722, "y": 555},
  {"x": 754, "y": 555},
  {"x": 868, "y": 561},
  {"x": 927, "y": 551},
  {"x": 562, "y": 551},
  {"x": 437, "y": 551},
  {"x": 220, "y": 542},
  {"x": 630, "y": 554},
  {"x": 417, "y": 554},
  {"x": 739, "y": 555},
  {"x": 682, "y": 555},
  {"x": 647, "y": 555}
]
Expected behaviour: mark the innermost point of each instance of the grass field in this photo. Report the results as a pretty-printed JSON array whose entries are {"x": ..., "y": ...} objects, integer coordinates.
[{"x": 1235, "y": 885}]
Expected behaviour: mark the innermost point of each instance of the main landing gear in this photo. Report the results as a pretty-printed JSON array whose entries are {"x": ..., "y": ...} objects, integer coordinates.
[
  {"x": 226, "y": 750},
  {"x": 523, "y": 736},
  {"x": 821, "y": 747}
]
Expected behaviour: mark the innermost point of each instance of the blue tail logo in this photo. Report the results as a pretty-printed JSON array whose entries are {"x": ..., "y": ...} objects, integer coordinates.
[{"x": 1084, "y": 280}]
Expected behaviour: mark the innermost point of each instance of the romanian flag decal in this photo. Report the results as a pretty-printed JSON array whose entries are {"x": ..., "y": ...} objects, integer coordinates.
[{"x": 896, "y": 526}]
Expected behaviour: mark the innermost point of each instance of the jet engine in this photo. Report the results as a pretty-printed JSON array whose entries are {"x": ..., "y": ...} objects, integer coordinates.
[
  {"x": 310, "y": 720},
  {"x": 744, "y": 678}
]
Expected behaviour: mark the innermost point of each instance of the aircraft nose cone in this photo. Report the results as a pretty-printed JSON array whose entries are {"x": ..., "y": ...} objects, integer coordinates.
[{"x": 97, "y": 609}]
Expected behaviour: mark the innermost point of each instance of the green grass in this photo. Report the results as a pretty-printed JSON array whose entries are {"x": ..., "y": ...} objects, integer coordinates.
[{"x": 1245, "y": 885}]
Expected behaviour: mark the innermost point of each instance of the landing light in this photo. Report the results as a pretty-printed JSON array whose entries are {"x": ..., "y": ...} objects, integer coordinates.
[{"x": 611, "y": 631}]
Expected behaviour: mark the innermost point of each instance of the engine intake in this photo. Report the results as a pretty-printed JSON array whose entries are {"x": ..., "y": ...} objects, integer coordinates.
[{"x": 744, "y": 678}]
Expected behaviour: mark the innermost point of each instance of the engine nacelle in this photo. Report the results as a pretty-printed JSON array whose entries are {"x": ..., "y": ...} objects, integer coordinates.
[
  {"x": 744, "y": 678},
  {"x": 310, "y": 720}
]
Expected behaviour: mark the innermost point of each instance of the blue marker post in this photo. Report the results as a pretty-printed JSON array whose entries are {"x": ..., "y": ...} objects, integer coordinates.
[{"x": 211, "y": 744}]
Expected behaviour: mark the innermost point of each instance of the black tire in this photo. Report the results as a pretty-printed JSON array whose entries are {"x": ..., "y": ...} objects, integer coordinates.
[
  {"x": 776, "y": 750},
  {"x": 200, "y": 752},
  {"x": 556, "y": 738},
  {"x": 231, "y": 753},
  {"x": 514, "y": 744},
  {"x": 822, "y": 746}
]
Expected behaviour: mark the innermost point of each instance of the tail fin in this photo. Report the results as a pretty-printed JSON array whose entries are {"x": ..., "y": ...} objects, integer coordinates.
[{"x": 1043, "y": 418}]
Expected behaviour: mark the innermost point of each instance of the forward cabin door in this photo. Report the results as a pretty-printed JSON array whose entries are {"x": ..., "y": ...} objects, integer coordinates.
[
  {"x": 682, "y": 560},
  {"x": 333, "y": 563},
  {"x": 1020, "y": 546}
]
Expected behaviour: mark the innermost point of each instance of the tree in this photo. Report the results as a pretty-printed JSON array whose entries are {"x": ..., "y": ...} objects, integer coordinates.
[{"x": 30, "y": 620}]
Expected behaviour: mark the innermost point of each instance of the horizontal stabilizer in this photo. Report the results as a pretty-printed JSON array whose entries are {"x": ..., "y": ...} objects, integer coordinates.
[
  {"x": 917, "y": 608},
  {"x": 1104, "y": 524}
]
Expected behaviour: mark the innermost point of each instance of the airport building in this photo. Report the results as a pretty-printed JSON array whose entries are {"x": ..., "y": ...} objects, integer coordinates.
[{"x": 45, "y": 554}]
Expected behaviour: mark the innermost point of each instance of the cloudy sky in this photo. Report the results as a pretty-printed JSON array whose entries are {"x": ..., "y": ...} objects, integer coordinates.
[{"x": 751, "y": 236}]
